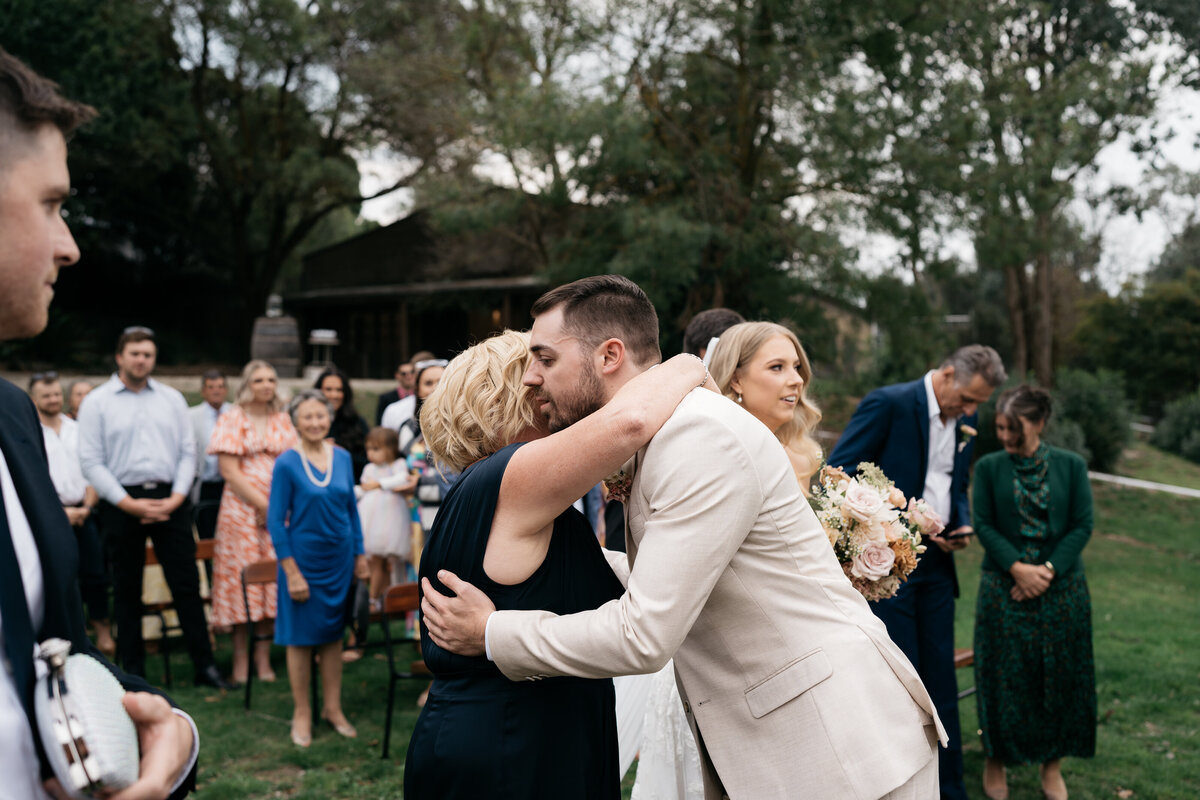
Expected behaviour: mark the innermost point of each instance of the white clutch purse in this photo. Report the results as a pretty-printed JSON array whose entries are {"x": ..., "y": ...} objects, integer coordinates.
[{"x": 89, "y": 739}]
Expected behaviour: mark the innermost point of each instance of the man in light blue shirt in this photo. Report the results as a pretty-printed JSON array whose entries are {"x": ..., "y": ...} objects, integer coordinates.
[
  {"x": 209, "y": 483},
  {"x": 137, "y": 449}
]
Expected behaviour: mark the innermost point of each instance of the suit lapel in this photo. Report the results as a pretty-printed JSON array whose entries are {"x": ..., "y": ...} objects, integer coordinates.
[
  {"x": 922, "y": 411},
  {"x": 31, "y": 476}
]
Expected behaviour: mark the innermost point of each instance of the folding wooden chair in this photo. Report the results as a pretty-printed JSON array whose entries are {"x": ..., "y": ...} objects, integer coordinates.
[
  {"x": 397, "y": 602},
  {"x": 964, "y": 657},
  {"x": 204, "y": 555},
  {"x": 261, "y": 573}
]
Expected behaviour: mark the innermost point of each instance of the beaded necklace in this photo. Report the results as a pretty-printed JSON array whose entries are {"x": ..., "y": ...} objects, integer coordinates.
[{"x": 308, "y": 467}]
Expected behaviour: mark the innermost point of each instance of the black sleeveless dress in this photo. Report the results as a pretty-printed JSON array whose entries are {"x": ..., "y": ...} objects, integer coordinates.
[{"x": 481, "y": 735}]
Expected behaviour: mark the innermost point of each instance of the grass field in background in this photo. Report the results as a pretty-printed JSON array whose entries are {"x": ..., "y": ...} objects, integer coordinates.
[
  {"x": 1143, "y": 566},
  {"x": 1147, "y": 463}
]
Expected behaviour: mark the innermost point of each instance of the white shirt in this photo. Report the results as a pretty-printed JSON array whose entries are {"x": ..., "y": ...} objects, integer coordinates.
[
  {"x": 399, "y": 412},
  {"x": 62, "y": 452},
  {"x": 939, "y": 462},
  {"x": 18, "y": 759},
  {"x": 204, "y": 420},
  {"x": 128, "y": 438}
]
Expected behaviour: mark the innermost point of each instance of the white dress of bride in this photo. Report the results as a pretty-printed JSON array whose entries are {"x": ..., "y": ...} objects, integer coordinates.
[{"x": 669, "y": 761}]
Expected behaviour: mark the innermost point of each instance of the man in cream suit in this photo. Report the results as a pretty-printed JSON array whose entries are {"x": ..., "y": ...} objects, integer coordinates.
[{"x": 790, "y": 684}]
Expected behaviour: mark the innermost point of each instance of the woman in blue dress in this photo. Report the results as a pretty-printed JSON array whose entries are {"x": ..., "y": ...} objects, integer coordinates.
[
  {"x": 508, "y": 527},
  {"x": 313, "y": 520}
]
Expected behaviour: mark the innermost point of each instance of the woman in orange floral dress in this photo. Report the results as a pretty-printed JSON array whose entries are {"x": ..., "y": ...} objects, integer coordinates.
[{"x": 247, "y": 438}]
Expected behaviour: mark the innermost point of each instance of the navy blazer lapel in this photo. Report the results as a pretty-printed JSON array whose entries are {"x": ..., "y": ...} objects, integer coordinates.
[
  {"x": 922, "y": 411},
  {"x": 26, "y": 458}
]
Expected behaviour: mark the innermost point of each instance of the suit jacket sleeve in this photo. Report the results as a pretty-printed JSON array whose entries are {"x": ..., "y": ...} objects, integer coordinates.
[
  {"x": 619, "y": 563},
  {"x": 987, "y": 525},
  {"x": 704, "y": 494},
  {"x": 865, "y": 434}
]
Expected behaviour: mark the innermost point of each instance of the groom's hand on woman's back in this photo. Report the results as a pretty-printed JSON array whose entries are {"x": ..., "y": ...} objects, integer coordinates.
[{"x": 457, "y": 624}]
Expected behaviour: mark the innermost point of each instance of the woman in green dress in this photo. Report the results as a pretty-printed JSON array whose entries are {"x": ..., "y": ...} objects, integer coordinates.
[{"x": 1033, "y": 623}]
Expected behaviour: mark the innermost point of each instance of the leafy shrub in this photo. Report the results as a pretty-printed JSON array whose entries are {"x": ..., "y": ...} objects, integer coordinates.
[
  {"x": 1067, "y": 434},
  {"x": 1096, "y": 403},
  {"x": 1179, "y": 429}
]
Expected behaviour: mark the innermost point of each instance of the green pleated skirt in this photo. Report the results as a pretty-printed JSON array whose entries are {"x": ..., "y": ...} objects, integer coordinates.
[{"x": 1034, "y": 671}]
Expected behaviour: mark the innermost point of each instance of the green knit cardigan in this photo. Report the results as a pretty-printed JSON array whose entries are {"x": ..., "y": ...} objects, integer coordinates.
[{"x": 997, "y": 523}]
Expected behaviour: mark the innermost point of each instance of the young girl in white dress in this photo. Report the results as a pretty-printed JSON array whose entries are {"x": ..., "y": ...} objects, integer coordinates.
[{"x": 383, "y": 508}]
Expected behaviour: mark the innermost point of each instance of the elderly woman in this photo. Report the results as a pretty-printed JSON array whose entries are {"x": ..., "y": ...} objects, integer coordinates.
[
  {"x": 508, "y": 527},
  {"x": 1033, "y": 622},
  {"x": 247, "y": 439},
  {"x": 314, "y": 525}
]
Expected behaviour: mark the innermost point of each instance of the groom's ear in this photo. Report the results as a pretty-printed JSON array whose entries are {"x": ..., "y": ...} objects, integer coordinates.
[{"x": 611, "y": 355}]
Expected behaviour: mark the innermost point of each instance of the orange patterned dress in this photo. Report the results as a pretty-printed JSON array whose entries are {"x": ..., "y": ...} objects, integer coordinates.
[{"x": 241, "y": 537}]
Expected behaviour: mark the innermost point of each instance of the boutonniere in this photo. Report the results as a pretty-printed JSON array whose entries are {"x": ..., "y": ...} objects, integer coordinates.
[
  {"x": 617, "y": 485},
  {"x": 968, "y": 433}
]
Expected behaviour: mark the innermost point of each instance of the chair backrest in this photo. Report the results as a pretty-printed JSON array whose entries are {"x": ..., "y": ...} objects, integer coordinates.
[
  {"x": 205, "y": 549},
  {"x": 264, "y": 571},
  {"x": 401, "y": 599}
]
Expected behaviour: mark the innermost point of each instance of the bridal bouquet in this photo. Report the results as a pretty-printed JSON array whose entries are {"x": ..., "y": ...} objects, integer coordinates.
[{"x": 874, "y": 529}]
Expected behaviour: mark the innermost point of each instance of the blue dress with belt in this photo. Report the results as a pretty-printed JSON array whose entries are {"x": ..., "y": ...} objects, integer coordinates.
[{"x": 319, "y": 527}]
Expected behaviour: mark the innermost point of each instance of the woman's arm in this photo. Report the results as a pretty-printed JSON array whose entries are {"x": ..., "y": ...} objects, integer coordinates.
[
  {"x": 231, "y": 472},
  {"x": 1079, "y": 526},
  {"x": 993, "y": 541},
  {"x": 547, "y": 475}
]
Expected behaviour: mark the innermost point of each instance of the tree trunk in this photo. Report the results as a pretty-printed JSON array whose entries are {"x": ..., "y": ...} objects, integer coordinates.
[
  {"x": 1042, "y": 349},
  {"x": 1013, "y": 301}
]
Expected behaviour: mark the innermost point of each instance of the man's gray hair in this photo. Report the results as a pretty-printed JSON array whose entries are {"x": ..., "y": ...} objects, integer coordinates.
[
  {"x": 303, "y": 397},
  {"x": 976, "y": 359}
]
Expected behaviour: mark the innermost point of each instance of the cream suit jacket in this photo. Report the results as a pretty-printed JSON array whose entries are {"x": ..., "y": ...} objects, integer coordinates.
[{"x": 790, "y": 683}]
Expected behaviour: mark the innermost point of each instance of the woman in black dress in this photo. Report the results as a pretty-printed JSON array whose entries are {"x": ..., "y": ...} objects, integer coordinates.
[
  {"x": 507, "y": 526},
  {"x": 348, "y": 430}
]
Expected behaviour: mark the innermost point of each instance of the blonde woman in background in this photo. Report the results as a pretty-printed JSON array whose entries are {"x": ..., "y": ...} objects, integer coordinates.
[
  {"x": 247, "y": 439},
  {"x": 762, "y": 367}
]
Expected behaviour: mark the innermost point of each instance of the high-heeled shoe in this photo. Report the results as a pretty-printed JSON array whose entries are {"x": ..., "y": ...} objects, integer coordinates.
[
  {"x": 995, "y": 780},
  {"x": 1056, "y": 788},
  {"x": 301, "y": 740},
  {"x": 343, "y": 728}
]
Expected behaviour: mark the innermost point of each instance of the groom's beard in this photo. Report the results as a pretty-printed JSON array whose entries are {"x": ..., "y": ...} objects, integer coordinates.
[{"x": 568, "y": 408}]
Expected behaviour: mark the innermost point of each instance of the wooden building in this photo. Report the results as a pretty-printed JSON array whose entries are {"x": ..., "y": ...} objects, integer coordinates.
[{"x": 408, "y": 286}]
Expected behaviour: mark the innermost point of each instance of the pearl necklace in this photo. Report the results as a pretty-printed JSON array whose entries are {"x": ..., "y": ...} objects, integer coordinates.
[{"x": 308, "y": 468}]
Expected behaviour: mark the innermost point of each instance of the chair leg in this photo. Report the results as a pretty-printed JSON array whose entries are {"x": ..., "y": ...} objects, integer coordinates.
[
  {"x": 249, "y": 681},
  {"x": 165, "y": 643},
  {"x": 391, "y": 707}
]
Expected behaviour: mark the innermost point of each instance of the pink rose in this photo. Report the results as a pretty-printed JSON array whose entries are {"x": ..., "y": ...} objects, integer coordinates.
[
  {"x": 862, "y": 502},
  {"x": 897, "y": 498},
  {"x": 874, "y": 562},
  {"x": 924, "y": 517}
]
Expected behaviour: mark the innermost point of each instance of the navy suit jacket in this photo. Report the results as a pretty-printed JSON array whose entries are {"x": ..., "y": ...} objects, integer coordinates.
[
  {"x": 890, "y": 428},
  {"x": 25, "y": 452}
]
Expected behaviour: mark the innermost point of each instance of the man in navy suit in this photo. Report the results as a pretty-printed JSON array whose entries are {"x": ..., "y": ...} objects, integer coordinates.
[
  {"x": 920, "y": 434},
  {"x": 39, "y": 581}
]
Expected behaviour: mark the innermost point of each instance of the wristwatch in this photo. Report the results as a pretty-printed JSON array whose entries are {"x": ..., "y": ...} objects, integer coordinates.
[{"x": 1050, "y": 567}]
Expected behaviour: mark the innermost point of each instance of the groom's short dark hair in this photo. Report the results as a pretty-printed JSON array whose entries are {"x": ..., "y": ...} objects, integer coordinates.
[
  {"x": 607, "y": 307},
  {"x": 28, "y": 101}
]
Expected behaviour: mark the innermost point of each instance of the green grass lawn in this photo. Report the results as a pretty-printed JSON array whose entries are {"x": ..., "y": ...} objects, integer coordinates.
[
  {"x": 1143, "y": 566},
  {"x": 1147, "y": 463}
]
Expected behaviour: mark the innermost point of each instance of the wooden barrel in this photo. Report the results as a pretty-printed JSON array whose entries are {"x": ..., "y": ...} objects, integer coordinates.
[{"x": 276, "y": 340}]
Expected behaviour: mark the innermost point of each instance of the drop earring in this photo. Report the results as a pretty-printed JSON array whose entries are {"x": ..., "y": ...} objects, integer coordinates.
[{"x": 739, "y": 398}]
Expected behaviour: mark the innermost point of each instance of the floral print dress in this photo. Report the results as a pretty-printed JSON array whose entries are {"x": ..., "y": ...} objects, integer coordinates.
[{"x": 242, "y": 537}]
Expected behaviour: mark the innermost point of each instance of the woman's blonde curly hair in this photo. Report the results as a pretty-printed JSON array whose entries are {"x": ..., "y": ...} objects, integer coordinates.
[
  {"x": 735, "y": 350},
  {"x": 480, "y": 404}
]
